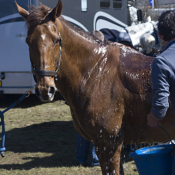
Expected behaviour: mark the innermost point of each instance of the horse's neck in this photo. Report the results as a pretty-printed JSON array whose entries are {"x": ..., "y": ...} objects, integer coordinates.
[
  {"x": 79, "y": 50},
  {"x": 80, "y": 56},
  {"x": 77, "y": 41}
]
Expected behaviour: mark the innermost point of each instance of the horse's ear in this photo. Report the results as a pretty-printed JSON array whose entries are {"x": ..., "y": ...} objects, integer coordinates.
[
  {"x": 24, "y": 13},
  {"x": 56, "y": 12}
]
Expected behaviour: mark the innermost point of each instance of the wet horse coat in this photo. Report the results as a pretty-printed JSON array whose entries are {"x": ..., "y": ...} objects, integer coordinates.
[{"x": 107, "y": 85}]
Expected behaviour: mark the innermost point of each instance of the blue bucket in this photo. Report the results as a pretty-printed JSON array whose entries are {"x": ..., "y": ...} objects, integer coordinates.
[{"x": 154, "y": 160}]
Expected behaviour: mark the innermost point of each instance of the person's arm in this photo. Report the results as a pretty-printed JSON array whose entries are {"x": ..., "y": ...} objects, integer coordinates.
[{"x": 160, "y": 87}]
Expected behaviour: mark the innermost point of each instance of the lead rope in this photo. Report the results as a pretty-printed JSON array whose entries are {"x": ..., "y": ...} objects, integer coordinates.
[{"x": 27, "y": 93}]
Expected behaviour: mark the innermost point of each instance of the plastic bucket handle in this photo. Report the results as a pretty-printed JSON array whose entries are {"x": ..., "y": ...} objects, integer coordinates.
[{"x": 159, "y": 127}]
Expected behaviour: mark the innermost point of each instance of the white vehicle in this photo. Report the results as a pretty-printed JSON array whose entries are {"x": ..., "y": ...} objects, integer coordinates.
[{"x": 15, "y": 67}]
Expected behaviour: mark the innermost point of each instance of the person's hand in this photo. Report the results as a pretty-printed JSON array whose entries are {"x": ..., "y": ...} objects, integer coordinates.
[{"x": 152, "y": 122}]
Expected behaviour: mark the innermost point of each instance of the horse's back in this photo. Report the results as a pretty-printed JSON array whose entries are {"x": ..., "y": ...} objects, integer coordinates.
[{"x": 135, "y": 70}]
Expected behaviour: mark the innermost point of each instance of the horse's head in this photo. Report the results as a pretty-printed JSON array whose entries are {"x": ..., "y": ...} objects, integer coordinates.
[{"x": 44, "y": 41}]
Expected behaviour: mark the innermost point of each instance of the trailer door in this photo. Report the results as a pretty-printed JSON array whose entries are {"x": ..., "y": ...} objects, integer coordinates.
[{"x": 15, "y": 66}]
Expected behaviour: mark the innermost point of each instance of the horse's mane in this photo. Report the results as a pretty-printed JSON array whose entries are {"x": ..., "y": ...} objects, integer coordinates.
[
  {"x": 37, "y": 14},
  {"x": 82, "y": 32}
]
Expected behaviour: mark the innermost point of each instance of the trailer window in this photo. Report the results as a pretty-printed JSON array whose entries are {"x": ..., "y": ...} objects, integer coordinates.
[
  {"x": 105, "y": 3},
  {"x": 117, "y": 4},
  {"x": 84, "y": 5}
]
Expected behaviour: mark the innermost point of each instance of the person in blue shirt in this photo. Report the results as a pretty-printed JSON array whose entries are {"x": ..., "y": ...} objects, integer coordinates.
[
  {"x": 163, "y": 72},
  {"x": 83, "y": 148}
]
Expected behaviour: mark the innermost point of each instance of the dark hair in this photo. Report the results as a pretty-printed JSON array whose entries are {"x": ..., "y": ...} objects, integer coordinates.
[
  {"x": 166, "y": 25},
  {"x": 37, "y": 14}
]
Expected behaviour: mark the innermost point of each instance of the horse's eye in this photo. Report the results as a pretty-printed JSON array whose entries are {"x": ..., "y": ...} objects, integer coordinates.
[
  {"x": 27, "y": 40},
  {"x": 57, "y": 40}
]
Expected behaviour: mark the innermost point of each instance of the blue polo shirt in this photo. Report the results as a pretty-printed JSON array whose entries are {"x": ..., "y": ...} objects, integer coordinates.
[{"x": 163, "y": 81}]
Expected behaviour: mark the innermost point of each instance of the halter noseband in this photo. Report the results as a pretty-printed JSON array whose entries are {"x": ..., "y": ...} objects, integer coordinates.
[{"x": 47, "y": 72}]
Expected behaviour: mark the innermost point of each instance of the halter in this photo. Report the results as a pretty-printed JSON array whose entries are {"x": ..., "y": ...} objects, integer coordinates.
[{"x": 49, "y": 73}]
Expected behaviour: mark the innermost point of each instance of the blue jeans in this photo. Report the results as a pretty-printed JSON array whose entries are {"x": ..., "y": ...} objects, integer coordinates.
[{"x": 83, "y": 147}]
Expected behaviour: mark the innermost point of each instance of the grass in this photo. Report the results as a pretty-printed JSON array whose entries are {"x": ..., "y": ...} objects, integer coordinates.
[{"x": 41, "y": 139}]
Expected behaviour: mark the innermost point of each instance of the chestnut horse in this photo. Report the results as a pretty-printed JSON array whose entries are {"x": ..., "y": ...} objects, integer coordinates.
[{"x": 107, "y": 85}]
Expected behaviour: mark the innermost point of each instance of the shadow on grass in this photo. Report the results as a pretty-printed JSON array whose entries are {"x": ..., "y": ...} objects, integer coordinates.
[
  {"x": 32, "y": 100},
  {"x": 58, "y": 138}
]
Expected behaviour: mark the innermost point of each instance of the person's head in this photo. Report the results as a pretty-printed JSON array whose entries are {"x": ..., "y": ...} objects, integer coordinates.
[{"x": 166, "y": 25}]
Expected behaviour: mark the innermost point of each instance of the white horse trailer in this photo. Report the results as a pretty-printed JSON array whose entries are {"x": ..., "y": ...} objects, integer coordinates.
[{"x": 15, "y": 67}]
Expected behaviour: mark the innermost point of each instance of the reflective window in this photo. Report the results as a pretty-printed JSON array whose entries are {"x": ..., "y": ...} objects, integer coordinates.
[
  {"x": 83, "y": 5},
  {"x": 105, "y": 3},
  {"x": 117, "y": 4}
]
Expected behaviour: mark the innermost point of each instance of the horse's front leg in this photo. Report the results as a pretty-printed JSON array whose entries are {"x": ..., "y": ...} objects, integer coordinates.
[{"x": 110, "y": 159}]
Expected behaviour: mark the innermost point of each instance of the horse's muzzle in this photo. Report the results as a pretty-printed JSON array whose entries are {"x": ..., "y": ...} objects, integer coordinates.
[{"x": 45, "y": 95}]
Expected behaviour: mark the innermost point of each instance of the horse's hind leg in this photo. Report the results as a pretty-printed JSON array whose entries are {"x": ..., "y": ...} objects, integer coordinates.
[
  {"x": 109, "y": 157},
  {"x": 121, "y": 167}
]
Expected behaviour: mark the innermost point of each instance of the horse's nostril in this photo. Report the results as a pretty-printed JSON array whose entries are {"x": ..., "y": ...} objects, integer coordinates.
[
  {"x": 51, "y": 91},
  {"x": 45, "y": 94},
  {"x": 37, "y": 92}
]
